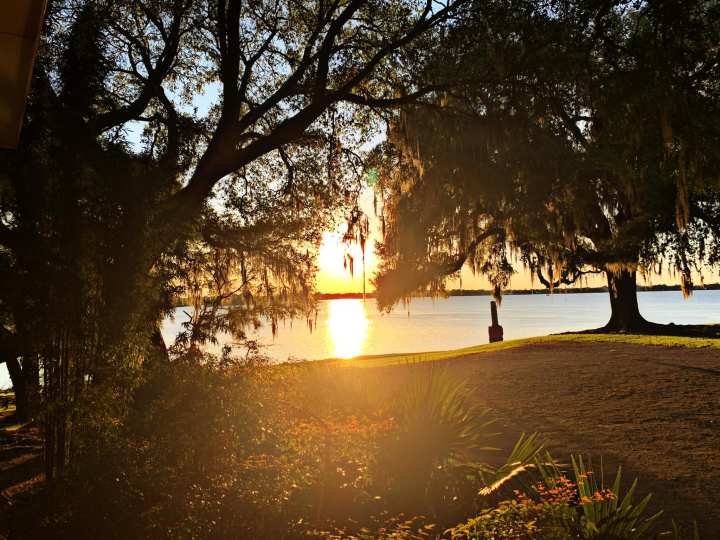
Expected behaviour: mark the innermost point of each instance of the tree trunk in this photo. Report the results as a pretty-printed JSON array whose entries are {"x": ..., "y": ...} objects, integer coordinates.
[
  {"x": 625, "y": 313},
  {"x": 158, "y": 350},
  {"x": 20, "y": 388}
]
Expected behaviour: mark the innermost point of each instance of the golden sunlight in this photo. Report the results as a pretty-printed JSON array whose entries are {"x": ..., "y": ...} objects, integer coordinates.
[
  {"x": 333, "y": 275},
  {"x": 347, "y": 327}
]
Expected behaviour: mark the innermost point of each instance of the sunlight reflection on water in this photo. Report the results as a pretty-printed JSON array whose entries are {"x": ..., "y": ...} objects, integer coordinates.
[{"x": 347, "y": 327}]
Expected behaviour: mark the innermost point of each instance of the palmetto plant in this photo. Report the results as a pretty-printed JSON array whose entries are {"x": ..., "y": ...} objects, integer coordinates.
[
  {"x": 440, "y": 421},
  {"x": 438, "y": 453},
  {"x": 527, "y": 462}
]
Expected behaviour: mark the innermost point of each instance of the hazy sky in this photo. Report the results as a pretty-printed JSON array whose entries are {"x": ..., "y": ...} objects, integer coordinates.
[{"x": 334, "y": 278}]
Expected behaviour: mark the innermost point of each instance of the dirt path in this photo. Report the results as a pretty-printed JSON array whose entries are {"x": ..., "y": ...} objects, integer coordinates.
[{"x": 654, "y": 410}]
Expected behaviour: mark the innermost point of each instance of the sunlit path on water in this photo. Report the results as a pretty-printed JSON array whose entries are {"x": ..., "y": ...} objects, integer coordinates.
[{"x": 347, "y": 327}]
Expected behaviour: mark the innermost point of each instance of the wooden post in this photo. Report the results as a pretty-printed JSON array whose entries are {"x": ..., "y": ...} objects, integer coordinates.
[
  {"x": 495, "y": 332},
  {"x": 493, "y": 313}
]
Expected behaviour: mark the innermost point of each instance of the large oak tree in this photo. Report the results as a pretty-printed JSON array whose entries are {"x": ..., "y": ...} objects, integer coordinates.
[
  {"x": 590, "y": 145},
  {"x": 161, "y": 133}
]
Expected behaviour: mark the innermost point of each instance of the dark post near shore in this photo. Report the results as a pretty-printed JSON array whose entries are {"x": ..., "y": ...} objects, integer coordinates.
[{"x": 495, "y": 331}]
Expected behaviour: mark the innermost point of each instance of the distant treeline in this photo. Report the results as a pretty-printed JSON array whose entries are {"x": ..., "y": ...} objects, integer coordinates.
[
  {"x": 487, "y": 292},
  {"x": 560, "y": 290}
]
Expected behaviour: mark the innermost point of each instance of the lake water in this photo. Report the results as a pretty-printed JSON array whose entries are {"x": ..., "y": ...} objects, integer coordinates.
[
  {"x": 352, "y": 327},
  {"x": 348, "y": 328}
]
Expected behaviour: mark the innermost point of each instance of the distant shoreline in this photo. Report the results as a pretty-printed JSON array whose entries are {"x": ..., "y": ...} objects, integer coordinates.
[{"x": 488, "y": 292}]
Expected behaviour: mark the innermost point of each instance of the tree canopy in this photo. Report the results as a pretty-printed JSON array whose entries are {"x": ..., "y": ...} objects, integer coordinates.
[
  {"x": 589, "y": 144},
  {"x": 181, "y": 148}
]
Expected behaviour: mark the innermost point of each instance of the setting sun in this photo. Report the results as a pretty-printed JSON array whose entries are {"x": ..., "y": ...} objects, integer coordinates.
[{"x": 333, "y": 275}]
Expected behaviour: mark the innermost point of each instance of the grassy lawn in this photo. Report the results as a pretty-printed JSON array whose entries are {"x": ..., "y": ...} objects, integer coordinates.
[
  {"x": 643, "y": 402},
  {"x": 412, "y": 358}
]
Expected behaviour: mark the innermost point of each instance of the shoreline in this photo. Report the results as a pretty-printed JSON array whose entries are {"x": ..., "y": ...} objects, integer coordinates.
[
  {"x": 544, "y": 292},
  {"x": 392, "y": 359}
]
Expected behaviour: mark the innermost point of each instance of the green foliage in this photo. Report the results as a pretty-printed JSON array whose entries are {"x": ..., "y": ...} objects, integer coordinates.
[
  {"x": 195, "y": 148},
  {"x": 563, "y": 509},
  {"x": 517, "y": 521},
  {"x": 610, "y": 516},
  {"x": 438, "y": 423},
  {"x": 251, "y": 450},
  {"x": 201, "y": 454},
  {"x": 578, "y": 142},
  {"x": 678, "y": 535},
  {"x": 440, "y": 440}
]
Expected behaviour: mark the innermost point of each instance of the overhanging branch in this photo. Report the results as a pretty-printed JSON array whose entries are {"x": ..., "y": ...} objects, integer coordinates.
[{"x": 568, "y": 277}]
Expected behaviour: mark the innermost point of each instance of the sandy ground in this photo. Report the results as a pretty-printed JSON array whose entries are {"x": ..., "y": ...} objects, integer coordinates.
[{"x": 653, "y": 410}]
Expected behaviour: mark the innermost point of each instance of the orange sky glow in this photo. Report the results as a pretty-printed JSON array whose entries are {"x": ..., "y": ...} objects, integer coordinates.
[{"x": 333, "y": 277}]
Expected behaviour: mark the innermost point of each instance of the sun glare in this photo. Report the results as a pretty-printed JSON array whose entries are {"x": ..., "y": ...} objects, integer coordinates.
[
  {"x": 334, "y": 275},
  {"x": 347, "y": 327}
]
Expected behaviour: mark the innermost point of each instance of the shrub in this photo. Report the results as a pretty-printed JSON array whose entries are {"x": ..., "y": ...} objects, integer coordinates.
[
  {"x": 557, "y": 508},
  {"x": 430, "y": 459},
  {"x": 308, "y": 450}
]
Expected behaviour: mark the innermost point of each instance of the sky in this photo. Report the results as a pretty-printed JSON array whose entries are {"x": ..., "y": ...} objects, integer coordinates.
[{"x": 333, "y": 277}]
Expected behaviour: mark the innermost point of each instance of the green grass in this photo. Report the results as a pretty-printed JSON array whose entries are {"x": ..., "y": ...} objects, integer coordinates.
[{"x": 433, "y": 356}]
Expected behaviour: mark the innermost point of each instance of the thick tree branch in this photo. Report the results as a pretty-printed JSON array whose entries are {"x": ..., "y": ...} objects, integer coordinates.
[
  {"x": 171, "y": 156},
  {"x": 569, "y": 123},
  {"x": 229, "y": 29},
  {"x": 568, "y": 277},
  {"x": 9, "y": 346},
  {"x": 224, "y": 155},
  {"x": 325, "y": 52},
  {"x": 402, "y": 281},
  {"x": 289, "y": 87},
  {"x": 423, "y": 24},
  {"x": 387, "y": 103},
  {"x": 455, "y": 265},
  {"x": 290, "y": 170},
  {"x": 250, "y": 64},
  {"x": 152, "y": 85}
]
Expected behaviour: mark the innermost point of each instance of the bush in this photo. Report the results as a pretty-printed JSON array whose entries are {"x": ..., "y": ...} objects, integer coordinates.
[{"x": 557, "y": 508}]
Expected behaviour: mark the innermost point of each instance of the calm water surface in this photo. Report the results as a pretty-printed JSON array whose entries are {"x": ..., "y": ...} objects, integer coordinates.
[{"x": 347, "y": 328}]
